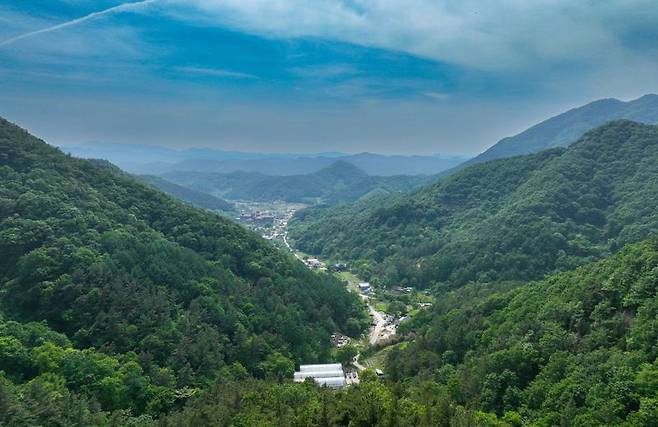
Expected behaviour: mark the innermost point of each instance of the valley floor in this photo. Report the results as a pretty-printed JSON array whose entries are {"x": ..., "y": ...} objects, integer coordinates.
[{"x": 383, "y": 327}]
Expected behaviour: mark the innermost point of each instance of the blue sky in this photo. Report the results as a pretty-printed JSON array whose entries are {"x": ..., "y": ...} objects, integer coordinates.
[{"x": 414, "y": 76}]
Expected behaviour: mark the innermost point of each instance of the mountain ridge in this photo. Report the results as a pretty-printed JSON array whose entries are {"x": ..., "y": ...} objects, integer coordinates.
[
  {"x": 196, "y": 198},
  {"x": 340, "y": 181},
  {"x": 508, "y": 219},
  {"x": 566, "y": 128},
  {"x": 155, "y": 160}
]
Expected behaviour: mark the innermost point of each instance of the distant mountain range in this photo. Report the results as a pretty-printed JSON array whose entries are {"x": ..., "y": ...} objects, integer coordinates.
[
  {"x": 340, "y": 181},
  {"x": 154, "y": 160},
  {"x": 566, "y": 128}
]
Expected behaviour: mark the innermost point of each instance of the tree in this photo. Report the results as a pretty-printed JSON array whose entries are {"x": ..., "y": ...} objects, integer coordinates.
[
  {"x": 346, "y": 354},
  {"x": 277, "y": 367}
]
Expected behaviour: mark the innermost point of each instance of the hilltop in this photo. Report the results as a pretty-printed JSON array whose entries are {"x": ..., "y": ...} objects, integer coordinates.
[{"x": 566, "y": 128}]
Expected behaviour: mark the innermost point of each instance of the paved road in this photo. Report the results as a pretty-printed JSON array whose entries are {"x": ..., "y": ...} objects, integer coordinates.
[
  {"x": 374, "y": 336},
  {"x": 376, "y": 330},
  {"x": 285, "y": 240}
]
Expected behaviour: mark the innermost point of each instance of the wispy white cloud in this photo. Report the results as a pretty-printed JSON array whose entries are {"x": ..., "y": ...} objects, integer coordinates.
[
  {"x": 217, "y": 72},
  {"x": 499, "y": 35},
  {"x": 124, "y": 7},
  {"x": 437, "y": 95},
  {"x": 493, "y": 35}
]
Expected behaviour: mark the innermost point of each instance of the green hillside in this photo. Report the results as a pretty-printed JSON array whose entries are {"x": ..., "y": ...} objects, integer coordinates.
[
  {"x": 196, "y": 198},
  {"x": 339, "y": 182},
  {"x": 115, "y": 297},
  {"x": 510, "y": 219},
  {"x": 577, "y": 349}
]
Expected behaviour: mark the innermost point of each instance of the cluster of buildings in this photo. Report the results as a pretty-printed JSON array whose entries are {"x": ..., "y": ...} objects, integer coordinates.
[
  {"x": 388, "y": 319},
  {"x": 263, "y": 219},
  {"x": 271, "y": 222},
  {"x": 315, "y": 263},
  {"x": 339, "y": 340},
  {"x": 338, "y": 267}
]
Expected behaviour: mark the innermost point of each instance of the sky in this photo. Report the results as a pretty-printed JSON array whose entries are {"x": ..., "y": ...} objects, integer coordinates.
[{"x": 385, "y": 76}]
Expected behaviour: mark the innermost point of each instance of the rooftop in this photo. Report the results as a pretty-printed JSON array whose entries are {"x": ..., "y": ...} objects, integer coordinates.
[{"x": 329, "y": 374}]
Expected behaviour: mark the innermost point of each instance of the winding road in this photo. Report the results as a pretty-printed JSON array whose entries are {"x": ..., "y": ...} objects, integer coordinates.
[
  {"x": 294, "y": 252},
  {"x": 375, "y": 333}
]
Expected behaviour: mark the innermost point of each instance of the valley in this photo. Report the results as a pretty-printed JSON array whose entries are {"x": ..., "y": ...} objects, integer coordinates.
[
  {"x": 502, "y": 292},
  {"x": 335, "y": 213},
  {"x": 270, "y": 220}
]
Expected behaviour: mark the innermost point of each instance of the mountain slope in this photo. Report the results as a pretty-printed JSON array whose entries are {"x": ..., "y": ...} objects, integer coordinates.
[
  {"x": 516, "y": 218},
  {"x": 566, "y": 128},
  {"x": 579, "y": 348},
  {"x": 150, "y": 299},
  {"x": 340, "y": 181},
  {"x": 196, "y": 198},
  {"x": 576, "y": 349}
]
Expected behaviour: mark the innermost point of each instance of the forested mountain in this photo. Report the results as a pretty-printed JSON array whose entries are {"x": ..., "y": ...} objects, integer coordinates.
[
  {"x": 576, "y": 349},
  {"x": 121, "y": 306},
  {"x": 566, "y": 128},
  {"x": 115, "y": 297},
  {"x": 339, "y": 182},
  {"x": 196, "y": 198},
  {"x": 510, "y": 219}
]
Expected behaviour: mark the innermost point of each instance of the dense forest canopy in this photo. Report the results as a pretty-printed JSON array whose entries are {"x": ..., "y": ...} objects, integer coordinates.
[
  {"x": 576, "y": 349},
  {"x": 121, "y": 306},
  {"x": 510, "y": 219},
  {"x": 115, "y": 294}
]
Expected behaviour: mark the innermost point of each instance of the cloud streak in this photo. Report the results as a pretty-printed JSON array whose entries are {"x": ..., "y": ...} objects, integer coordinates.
[
  {"x": 215, "y": 72},
  {"x": 487, "y": 35},
  {"x": 124, "y": 7}
]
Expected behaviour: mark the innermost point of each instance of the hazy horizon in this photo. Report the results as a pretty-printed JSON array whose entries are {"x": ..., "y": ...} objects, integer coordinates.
[
  {"x": 328, "y": 76},
  {"x": 155, "y": 145}
]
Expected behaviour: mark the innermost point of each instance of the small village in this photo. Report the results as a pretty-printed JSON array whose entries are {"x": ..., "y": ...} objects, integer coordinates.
[{"x": 270, "y": 220}]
